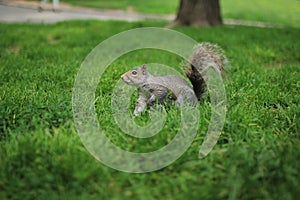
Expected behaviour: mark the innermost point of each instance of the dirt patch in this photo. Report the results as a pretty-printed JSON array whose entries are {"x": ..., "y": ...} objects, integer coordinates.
[{"x": 14, "y": 50}]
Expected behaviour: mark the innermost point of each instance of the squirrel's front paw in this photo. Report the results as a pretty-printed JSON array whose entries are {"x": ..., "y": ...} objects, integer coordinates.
[
  {"x": 140, "y": 107},
  {"x": 135, "y": 113}
]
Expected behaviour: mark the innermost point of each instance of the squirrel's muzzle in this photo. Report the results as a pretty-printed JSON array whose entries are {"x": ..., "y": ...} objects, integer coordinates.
[{"x": 122, "y": 76}]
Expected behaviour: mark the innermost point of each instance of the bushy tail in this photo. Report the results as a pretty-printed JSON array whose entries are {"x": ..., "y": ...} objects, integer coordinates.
[{"x": 204, "y": 55}]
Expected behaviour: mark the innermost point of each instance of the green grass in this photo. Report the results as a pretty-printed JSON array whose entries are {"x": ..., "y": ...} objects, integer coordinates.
[
  {"x": 42, "y": 157},
  {"x": 279, "y": 11}
]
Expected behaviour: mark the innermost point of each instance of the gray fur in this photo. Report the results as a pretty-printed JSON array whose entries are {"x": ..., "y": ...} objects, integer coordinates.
[{"x": 158, "y": 88}]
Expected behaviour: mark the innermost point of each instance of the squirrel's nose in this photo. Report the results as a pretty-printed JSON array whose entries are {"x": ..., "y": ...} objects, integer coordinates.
[{"x": 122, "y": 76}]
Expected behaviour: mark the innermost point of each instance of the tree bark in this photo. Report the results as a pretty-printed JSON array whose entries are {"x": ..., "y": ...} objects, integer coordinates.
[{"x": 198, "y": 13}]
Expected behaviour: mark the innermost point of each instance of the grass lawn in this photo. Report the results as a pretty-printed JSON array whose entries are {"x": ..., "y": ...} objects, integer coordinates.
[
  {"x": 42, "y": 157},
  {"x": 277, "y": 11}
]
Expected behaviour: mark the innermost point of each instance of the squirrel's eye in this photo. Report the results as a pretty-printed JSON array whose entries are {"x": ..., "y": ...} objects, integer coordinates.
[{"x": 134, "y": 72}]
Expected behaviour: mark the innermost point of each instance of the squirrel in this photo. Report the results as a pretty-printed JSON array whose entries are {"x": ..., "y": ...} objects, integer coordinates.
[{"x": 159, "y": 88}]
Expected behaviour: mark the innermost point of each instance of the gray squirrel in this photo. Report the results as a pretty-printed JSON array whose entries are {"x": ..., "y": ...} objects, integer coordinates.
[{"x": 159, "y": 88}]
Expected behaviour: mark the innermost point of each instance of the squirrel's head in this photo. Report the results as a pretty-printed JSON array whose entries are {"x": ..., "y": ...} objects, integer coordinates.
[{"x": 135, "y": 76}]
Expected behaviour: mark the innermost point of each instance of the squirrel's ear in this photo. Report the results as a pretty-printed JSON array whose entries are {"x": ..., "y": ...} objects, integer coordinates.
[{"x": 144, "y": 69}]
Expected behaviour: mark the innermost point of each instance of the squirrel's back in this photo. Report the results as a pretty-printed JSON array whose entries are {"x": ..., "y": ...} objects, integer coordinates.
[{"x": 159, "y": 85}]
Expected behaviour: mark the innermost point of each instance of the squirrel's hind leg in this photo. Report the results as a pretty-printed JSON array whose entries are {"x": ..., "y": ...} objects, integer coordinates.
[{"x": 186, "y": 97}]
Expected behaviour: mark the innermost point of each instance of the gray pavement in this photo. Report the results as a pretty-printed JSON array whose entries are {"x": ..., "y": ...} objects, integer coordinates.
[
  {"x": 12, "y": 11},
  {"x": 12, "y": 14}
]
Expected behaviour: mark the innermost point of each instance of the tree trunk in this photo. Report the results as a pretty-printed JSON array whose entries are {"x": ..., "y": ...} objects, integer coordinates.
[{"x": 198, "y": 13}]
